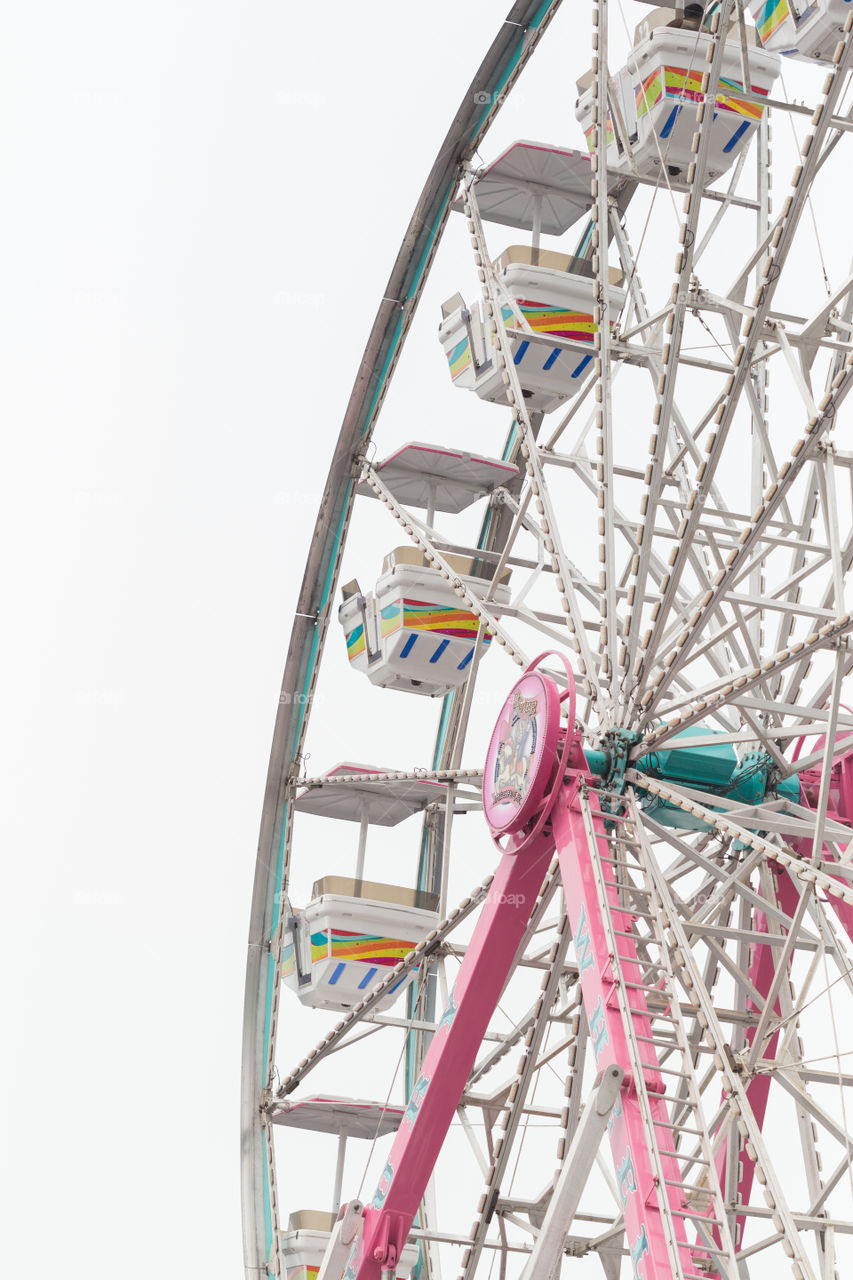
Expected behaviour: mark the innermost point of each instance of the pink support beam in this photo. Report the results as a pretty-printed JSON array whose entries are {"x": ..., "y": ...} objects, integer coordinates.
[
  {"x": 762, "y": 968},
  {"x": 637, "y": 1178},
  {"x": 534, "y": 780},
  {"x": 448, "y": 1061},
  {"x": 839, "y": 809},
  {"x": 762, "y": 971}
]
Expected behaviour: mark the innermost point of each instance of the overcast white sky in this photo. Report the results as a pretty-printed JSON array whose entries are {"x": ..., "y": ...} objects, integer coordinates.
[{"x": 201, "y": 204}]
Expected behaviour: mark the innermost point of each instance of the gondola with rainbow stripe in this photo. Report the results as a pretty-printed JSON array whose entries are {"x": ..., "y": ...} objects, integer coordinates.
[
  {"x": 353, "y": 931},
  {"x": 417, "y": 632},
  {"x": 809, "y": 32},
  {"x": 654, "y": 96}
]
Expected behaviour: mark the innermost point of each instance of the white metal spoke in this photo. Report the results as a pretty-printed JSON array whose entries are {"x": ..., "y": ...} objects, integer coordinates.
[
  {"x": 548, "y": 518},
  {"x": 772, "y": 270},
  {"x": 699, "y": 579},
  {"x": 675, "y": 319}
]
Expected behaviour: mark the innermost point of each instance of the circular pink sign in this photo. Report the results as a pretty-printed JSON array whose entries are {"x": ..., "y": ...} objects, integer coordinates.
[{"x": 521, "y": 754}]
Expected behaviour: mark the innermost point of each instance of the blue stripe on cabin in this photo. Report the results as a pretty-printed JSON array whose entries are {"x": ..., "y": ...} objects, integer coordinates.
[
  {"x": 520, "y": 353},
  {"x": 671, "y": 119},
  {"x": 464, "y": 663},
  {"x": 552, "y": 357},
  {"x": 368, "y": 978},
  {"x": 338, "y": 971},
  {"x": 577, "y": 373},
  {"x": 736, "y": 137},
  {"x": 408, "y": 646},
  {"x": 440, "y": 650}
]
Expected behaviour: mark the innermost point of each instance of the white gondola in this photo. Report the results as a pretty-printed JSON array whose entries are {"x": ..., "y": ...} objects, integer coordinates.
[
  {"x": 549, "y": 303},
  {"x": 414, "y": 632},
  {"x": 796, "y": 29},
  {"x": 343, "y": 1119},
  {"x": 348, "y": 938},
  {"x": 354, "y": 931},
  {"x": 652, "y": 116},
  {"x": 304, "y": 1245}
]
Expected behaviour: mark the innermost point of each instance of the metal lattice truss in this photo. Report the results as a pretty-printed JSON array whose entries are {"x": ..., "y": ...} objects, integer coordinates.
[{"x": 711, "y": 597}]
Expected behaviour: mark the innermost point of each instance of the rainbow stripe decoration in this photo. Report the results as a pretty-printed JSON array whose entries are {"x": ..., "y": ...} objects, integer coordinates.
[
  {"x": 650, "y": 92},
  {"x": 445, "y": 620},
  {"x": 578, "y": 325},
  {"x": 590, "y": 133},
  {"x": 391, "y": 619},
  {"x": 355, "y": 642},
  {"x": 686, "y": 85},
  {"x": 729, "y": 101},
  {"x": 319, "y": 946},
  {"x": 459, "y": 358},
  {"x": 770, "y": 17},
  {"x": 338, "y": 944},
  {"x": 418, "y": 615},
  {"x": 365, "y": 947},
  {"x": 679, "y": 82}
]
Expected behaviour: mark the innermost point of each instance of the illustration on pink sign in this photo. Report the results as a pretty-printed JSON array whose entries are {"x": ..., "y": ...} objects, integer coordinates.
[
  {"x": 521, "y": 753},
  {"x": 517, "y": 747}
]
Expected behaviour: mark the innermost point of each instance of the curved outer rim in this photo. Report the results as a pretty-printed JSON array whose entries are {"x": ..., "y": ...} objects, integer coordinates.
[{"x": 517, "y": 38}]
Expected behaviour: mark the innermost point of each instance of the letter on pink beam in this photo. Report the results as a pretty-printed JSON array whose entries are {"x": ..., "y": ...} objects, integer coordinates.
[
  {"x": 635, "y": 1173},
  {"x": 449, "y": 1059}
]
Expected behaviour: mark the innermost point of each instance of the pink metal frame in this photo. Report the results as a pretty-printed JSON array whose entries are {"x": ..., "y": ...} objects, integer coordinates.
[
  {"x": 483, "y": 973},
  {"x": 448, "y": 1061},
  {"x": 635, "y": 1172},
  {"x": 763, "y": 967}
]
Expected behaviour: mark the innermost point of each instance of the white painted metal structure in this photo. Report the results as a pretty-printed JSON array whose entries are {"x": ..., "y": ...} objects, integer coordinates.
[{"x": 682, "y": 526}]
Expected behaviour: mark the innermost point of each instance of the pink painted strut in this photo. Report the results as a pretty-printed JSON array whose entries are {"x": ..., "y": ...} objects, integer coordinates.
[
  {"x": 453, "y": 1050},
  {"x": 449, "y": 1061},
  {"x": 762, "y": 968},
  {"x": 638, "y": 1181},
  {"x": 656, "y": 1212}
]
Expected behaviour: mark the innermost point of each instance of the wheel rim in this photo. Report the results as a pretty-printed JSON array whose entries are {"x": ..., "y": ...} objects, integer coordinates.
[{"x": 725, "y": 618}]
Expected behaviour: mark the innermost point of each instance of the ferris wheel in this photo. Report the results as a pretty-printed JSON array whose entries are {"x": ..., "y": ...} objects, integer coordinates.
[{"x": 551, "y": 952}]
